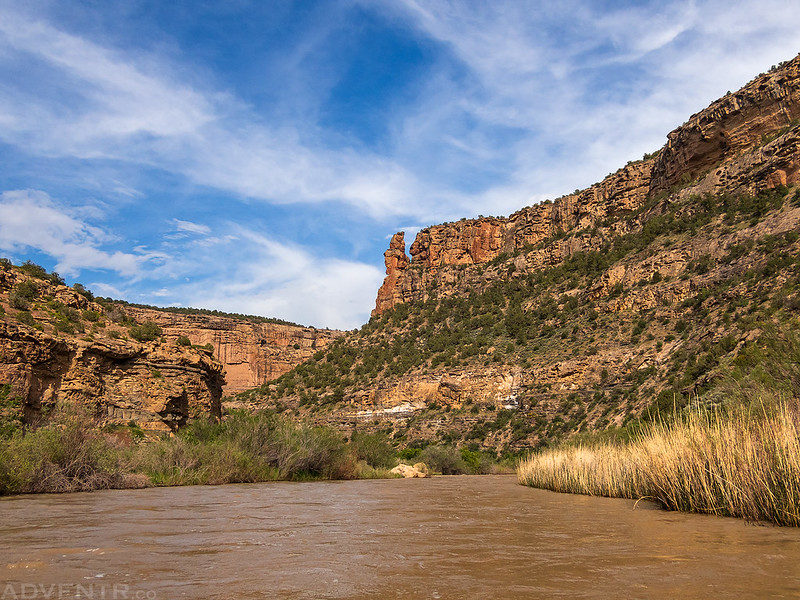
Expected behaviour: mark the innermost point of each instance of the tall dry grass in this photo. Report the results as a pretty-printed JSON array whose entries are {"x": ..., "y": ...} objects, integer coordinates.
[{"x": 744, "y": 463}]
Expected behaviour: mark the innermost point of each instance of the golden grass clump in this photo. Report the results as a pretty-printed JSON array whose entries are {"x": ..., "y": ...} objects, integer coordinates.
[{"x": 743, "y": 463}]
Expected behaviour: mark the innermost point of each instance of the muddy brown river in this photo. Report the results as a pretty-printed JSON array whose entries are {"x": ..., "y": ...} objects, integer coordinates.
[{"x": 447, "y": 537}]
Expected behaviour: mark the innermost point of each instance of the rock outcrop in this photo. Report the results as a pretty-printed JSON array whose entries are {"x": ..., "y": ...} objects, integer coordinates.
[
  {"x": 251, "y": 352},
  {"x": 410, "y": 471},
  {"x": 731, "y": 125},
  {"x": 45, "y": 361},
  {"x": 155, "y": 385},
  {"x": 396, "y": 263}
]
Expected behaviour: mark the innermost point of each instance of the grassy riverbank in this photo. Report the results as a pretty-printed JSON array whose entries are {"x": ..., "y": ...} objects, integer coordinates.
[
  {"x": 742, "y": 462},
  {"x": 69, "y": 454}
]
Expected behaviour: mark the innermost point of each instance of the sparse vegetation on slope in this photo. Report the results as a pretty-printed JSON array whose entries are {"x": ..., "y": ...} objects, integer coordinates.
[
  {"x": 639, "y": 344},
  {"x": 188, "y": 310}
]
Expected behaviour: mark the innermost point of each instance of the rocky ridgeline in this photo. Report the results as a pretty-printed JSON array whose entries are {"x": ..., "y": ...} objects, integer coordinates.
[
  {"x": 58, "y": 345},
  {"x": 638, "y": 294},
  {"x": 744, "y": 142},
  {"x": 251, "y": 352}
]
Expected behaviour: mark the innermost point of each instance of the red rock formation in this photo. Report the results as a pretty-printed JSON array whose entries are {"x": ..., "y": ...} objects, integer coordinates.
[
  {"x": 478, "y": 241},
  {"x": 396, "y": 262},
  {"x": 159, "y": 386},
  {"x": 251, "y": 352},
  {"x": 742, "y": 142},
  {"x": 732, "y": 124}
]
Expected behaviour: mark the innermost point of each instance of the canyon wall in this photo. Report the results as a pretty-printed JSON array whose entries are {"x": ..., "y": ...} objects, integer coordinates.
[
  {"x": 743, "y": 142},
  {"x": 251, "y": 352},
  {"x": 64, "y": 348}
]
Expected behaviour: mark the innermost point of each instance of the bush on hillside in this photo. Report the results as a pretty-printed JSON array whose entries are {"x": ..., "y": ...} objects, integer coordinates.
[{"x": 146, "y": 332}]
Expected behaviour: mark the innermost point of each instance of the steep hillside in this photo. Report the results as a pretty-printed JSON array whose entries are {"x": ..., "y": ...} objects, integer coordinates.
[
  {"x": 59, "y": 344},
  {"x": 636, "y": 295}
]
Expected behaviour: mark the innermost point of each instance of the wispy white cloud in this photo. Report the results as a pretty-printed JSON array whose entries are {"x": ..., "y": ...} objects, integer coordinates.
[
  {"x": 256, "y": 275},
  {"x": 190, "y": 227},
  {"x": 583, "y": 86},
  {"x": 29, "y": 219},
  {"x": 124, "y": 108},
  {"x": 259, "y": 275},
  {"x": 287, "y": 280},
  {"x": 515, "y": 105},
  {"x": 325, "y": 292}
]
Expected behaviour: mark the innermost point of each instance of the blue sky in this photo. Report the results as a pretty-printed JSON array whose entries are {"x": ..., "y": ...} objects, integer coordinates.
[{"x": 256, "y": 156}]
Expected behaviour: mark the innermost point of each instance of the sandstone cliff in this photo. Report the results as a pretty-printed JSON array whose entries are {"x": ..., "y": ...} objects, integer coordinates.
[
  {"x": 251, "y": 352},
  {"x": 743, "y": 142},
  {"x": 57, "y": 345}
]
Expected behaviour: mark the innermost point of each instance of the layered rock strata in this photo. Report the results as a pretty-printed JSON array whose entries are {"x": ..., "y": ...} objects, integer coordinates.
[
  {"x": 252, "y": 353},
  {"x": 743, "y": 142},
  {"x": 156, "y": 384}
]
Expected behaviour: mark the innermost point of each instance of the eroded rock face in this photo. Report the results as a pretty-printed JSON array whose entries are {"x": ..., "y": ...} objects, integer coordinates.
[
  {"x": 744, "y": 142},
  {"x": 71, "y": 351},
  {"x": 478, "y": 241},
  {"x": 396, "y": 263},
  {"x": 159, "y": 386},
  {"x": 735, "y": 123},
  {"x": 251, "y": 353}
]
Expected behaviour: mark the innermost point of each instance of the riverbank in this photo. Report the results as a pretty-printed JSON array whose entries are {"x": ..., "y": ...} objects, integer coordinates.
[
  {"x": 69, "y": 454},
  {"x": 741, "y": 462}
]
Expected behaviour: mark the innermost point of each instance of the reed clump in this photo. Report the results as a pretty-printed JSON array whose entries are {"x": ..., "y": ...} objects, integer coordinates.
[{"x": 741, "y": 462}]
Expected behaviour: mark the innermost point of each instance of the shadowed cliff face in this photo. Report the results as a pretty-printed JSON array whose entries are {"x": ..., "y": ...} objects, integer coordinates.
[
  {"x": 743, "y": 142},
  {"x": 252, "y": 353}
]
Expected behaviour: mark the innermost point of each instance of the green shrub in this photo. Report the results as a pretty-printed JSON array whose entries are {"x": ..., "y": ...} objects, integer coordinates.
[
  {"x": 28, "y": 289},
  {"x": 10, "y": 412},
  {"x": 34, "y": 270},
  {"x": 444, "y": 459},
  {"x": 18, "y": 302},
  {"x": 71, "y": 314},
  {"x": 183, "y": 341},
  {"x": 374, "y": 448},
  {"x": 78, "y": 287},
  {"x": 25, "y": 317},
  {"x": 146, "y": 332},
  {"x": 409, "y": 453},
  {"x": 64, "y": 326},
  {"x": 63, "y": 456}
]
